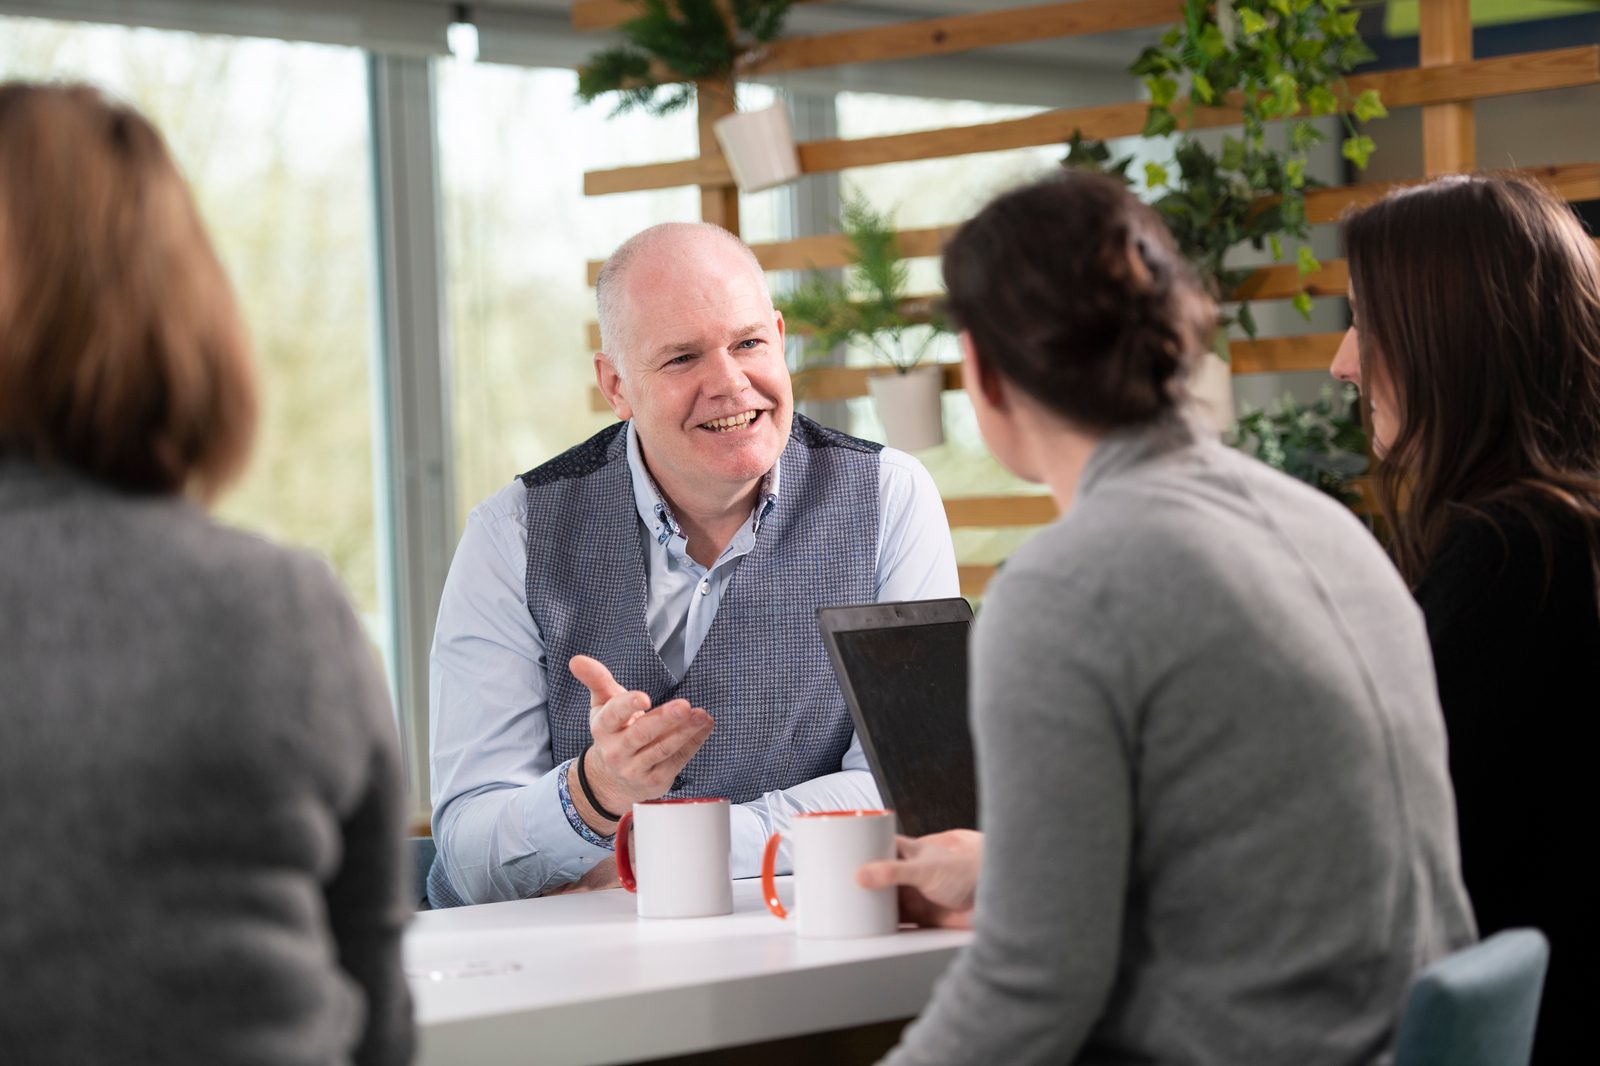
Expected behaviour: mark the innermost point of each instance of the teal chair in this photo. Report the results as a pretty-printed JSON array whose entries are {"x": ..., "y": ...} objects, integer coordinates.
[
  {"x": 1477, "y": 1007},
  {"x": 422, "y": 851}
]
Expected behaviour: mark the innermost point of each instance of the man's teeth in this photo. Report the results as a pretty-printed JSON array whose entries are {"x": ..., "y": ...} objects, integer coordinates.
[{"x": 723, "y": 425}]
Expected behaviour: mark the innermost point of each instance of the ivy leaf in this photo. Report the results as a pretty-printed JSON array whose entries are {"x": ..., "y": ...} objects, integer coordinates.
[
  {"x": 1247, "y": 320},
  {"x": 1211, "y": 43},
  {"x": 1155, "y": 175},
  {"x": 1306, "y": 261},
  {"x": 1202, "y": 88},
  {"x": 1295, "y": 172},
  {"x": 1158, "y": 122},
  {"x": 1251, "y": 22},
  {"x": 1358, "y": 149},
  {"x": 1302, "y": 303},
  {"x": 1276, "y": 245},
  {"x": 1368, "y": 106},
  {"x": 1232, "y": 153},
  {"x": 1321, "y": 101},
  {"x": 1152, "y": 61},
  {"x": 1163, "y": 90},
  {"x": 1303, "y": 135},
  {"x": 1282, "y": 7}
]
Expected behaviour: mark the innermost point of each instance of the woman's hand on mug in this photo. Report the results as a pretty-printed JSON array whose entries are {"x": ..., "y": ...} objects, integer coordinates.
[{"x": 937, "y": 876}]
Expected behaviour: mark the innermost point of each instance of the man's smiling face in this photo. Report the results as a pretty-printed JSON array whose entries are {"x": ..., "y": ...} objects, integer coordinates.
[{"x": 700, "y": 368}]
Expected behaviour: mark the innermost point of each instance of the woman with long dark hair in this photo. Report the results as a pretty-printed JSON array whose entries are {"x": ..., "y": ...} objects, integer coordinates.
[
  {"x": 1217, "y": 824},
  {"x": 1476, "y": 343},
  {"x": 201, "y": 804}
]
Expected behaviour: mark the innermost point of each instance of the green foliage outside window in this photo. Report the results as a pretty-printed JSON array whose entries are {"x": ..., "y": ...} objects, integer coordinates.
[
  {"x": 869, "y": 305},
  {"x": 673, "y": 39},
  {"x": 1275, "y": 60}
]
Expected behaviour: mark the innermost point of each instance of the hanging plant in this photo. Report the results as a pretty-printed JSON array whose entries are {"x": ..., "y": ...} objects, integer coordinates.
[
  {"x": 1273, "y": 60},
  {"x": 674, "y": 43}
]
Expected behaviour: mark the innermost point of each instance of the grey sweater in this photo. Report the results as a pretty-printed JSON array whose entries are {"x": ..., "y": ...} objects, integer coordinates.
[
  {"x": 1218, "y": 824},
  {"x": 201, "y": 813}
]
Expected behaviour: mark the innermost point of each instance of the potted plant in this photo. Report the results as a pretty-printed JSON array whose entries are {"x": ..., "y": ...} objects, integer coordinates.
[
  {"x": 869, "y": 307},
  {"x": 1273, "y": 60},
  {"x": 1321, "y": 443},
  {"x": 674, "y": 44}
]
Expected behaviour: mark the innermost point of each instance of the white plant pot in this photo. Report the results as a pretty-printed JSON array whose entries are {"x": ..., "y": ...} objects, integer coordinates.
[
  {"x": 759, "y": 147},
  {"x": 1211, "y": 391},
  {"x": 910, "y": 406}
]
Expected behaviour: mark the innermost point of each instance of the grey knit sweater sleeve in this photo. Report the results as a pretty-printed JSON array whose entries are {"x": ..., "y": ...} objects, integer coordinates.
[{"x": 1212, "y": 782}]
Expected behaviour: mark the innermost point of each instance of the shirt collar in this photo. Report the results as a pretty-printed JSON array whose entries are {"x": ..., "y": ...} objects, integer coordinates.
[{"x": 654, "y": 510}]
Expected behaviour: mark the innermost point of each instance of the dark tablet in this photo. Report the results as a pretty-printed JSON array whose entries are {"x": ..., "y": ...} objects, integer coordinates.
[{"x": 903, "y": 669}]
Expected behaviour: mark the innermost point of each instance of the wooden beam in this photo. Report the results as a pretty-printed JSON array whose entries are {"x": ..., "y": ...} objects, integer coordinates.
[
  {"x": 992, "y": 512},
  {"x": 1282, "y": 281},
  {"x": 718, "y": 203},
  {"x": 1572, "y": 182},
  {"x": 1500, "y": 76},
  {"x": 1308, "y": 351},
  {"x": 975, "y": 578},
  {"x": 1449, "y": 137},
  {"x": 605, "y": 14},
  {"x": 961, "y": 33},
  {"x": 826, "y": 251}
]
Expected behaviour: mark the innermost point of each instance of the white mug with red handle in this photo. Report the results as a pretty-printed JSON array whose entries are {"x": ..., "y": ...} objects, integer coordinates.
[
  {"x": 676, "y": 860},
  {"x": 829, "y": 847}
]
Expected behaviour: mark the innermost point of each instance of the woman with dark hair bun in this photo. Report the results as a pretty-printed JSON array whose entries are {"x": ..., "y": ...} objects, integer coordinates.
[
  {"x": 1476, "y": 341},
  {"x": 1217, "y": 822}
]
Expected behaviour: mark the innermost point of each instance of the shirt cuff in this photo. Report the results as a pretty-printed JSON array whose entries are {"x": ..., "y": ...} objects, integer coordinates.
[{"x": 575, "y": 819}]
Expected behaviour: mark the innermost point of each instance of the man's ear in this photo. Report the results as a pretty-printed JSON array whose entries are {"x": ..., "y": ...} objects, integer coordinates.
[
  {"x": 778, "y": 318},
  {"x": 980, "y": 376},
  {"x": 610, "y": 382}
]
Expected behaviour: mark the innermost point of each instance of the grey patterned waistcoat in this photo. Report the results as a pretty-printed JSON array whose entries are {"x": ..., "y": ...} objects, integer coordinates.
[{"x": 762, "y": 671}]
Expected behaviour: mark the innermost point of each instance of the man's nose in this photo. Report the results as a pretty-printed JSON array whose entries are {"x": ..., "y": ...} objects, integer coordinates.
[
  {"x": 726, "y": 374},
  {"x": 1346, "y": 364}
]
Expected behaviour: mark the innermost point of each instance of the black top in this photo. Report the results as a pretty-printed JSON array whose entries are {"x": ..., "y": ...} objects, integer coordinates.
[{"x": 1518, "y": 658}]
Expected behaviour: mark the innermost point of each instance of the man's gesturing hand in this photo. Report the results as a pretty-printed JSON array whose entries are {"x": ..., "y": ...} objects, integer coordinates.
[
  {"x": 637, "y": 751},
  {"x": 937, "y": 876}
]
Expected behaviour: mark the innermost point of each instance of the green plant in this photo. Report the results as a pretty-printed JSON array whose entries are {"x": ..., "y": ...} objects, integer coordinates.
[
  {"x": 672, "y": 44},
  {"x": 1321, "y": 443},
  {"x": 1273, "y": 60},
  {"x": 869, "y": 304}
]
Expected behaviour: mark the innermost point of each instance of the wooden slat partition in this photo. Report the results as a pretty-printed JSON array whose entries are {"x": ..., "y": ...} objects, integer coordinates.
[
  {"x": 1313, "y": 351},
  {"x": 975, "y": 578},
  {"x": 962, "y": 33},
  {"x": 826, "y": 251},
  {"x": 605, "y": 14},
  {"x": 1570, "y": 181},
  {"x": 1500, "y": 76},
  {"x": 991, "y": 512},
  {"x": 1449, "y": 134}
]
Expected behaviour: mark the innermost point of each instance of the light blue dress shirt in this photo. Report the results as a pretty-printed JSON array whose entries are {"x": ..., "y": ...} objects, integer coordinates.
[{"x": 497, "y": 812}]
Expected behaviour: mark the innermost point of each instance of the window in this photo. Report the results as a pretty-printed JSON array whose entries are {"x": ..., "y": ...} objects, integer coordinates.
[{"x": 273, "y": 139}]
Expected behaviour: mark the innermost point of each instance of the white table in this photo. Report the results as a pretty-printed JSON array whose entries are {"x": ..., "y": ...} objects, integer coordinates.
[{"x": 579, "y": 979}]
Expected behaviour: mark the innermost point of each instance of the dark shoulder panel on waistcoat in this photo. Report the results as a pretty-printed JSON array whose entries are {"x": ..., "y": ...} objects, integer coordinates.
[
  {"x": 580, "y": 460},
  {"x": 816, "y": 435}
]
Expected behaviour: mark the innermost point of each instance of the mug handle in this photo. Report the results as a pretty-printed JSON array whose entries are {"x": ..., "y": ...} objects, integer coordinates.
[
  {"x": 625, "y": 852},
  {"x": 769, "y": 887}
]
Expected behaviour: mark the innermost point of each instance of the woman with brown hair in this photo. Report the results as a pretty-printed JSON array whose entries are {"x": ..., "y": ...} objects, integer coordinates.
[
  {"x": 1217, "y": 825},
  {"x": 202, "y": 806},
  {"x": 1476, "y": 343}
]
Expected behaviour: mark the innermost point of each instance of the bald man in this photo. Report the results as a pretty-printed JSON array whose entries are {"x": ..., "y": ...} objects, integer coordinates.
[{"x": 636, "y": 618}]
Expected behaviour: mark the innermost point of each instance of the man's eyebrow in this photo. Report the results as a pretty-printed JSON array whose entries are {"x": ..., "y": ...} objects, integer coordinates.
[{"x": 740, "y": 334}]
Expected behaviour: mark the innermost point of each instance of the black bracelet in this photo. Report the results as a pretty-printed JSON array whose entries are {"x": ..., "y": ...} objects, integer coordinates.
[{"x": 588, "y": 793}]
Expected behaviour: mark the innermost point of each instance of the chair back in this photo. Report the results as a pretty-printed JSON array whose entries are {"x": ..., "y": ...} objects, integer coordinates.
[
  {"x": 1476, "y": 1007},
  {"x": 422, "y": 852}
]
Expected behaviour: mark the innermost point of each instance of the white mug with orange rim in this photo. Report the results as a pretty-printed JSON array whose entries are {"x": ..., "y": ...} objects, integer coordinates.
[
  {"x": 676, "y": 860},
  {"x": 829, "y": 847}
]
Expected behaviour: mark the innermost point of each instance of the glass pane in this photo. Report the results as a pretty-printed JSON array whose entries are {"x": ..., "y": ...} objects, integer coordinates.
[
  {"x": 514, "y": 145},
  {"x": 273, "y": 139}
]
